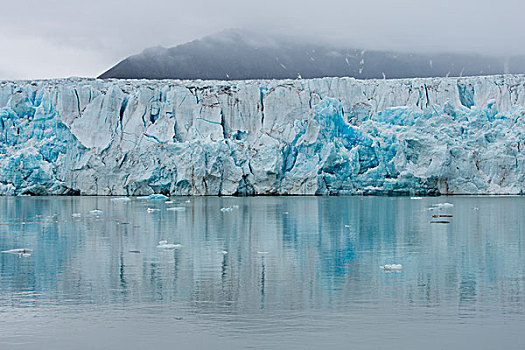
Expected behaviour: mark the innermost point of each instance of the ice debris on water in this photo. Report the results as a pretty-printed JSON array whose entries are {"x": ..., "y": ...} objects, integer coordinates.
[
  {"x": 444, "y": 205},
  {"x": 313, "y": 137},
  {"x": 176, "y": 209},
  {"x": 391, "y": 267},
  {"x": 158, "y": 196},
  {"x": 24, "y": 252},
  {"x": 226, "y": 210},
  {"x": 96, "y": 212},
  {"x": 152, "y": 210},
  {"x": 76, "y": 215},
  {"x": 120, "y": 199},
  {"x": 440, "y": 206},
  {"x": 165, "y": 245},
  {"x": 223, "y": 252}
]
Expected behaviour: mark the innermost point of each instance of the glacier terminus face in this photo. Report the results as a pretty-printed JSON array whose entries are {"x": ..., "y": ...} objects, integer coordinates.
[{"x": 325, "y": 136}]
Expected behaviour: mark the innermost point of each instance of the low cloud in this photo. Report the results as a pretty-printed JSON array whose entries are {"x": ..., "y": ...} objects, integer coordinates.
[{"x": 58, "y": 38}]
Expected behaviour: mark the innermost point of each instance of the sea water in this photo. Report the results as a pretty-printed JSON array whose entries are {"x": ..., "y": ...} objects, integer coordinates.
[{"x": 262, "y": 272}]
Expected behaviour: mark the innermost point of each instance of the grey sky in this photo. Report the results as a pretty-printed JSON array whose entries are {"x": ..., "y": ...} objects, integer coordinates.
[{"x": 60, "y": 38}]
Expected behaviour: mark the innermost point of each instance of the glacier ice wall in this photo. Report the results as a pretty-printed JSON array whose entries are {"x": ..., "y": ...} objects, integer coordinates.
[{"x": 318, "y": 136}]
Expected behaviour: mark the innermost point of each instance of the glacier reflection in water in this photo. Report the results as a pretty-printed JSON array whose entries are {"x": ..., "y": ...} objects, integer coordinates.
[{"x": 266, "y": 272}]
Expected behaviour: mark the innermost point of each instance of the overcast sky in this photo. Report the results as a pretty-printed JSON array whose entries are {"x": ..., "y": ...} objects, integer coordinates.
[{"x": 61, "y": 38}]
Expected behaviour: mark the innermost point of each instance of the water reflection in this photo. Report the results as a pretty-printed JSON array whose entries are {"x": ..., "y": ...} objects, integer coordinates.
[{"x": 268, "y": 254}]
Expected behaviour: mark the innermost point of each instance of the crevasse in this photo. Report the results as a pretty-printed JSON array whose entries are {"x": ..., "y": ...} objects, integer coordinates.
[{"x": 282, "y": 137}]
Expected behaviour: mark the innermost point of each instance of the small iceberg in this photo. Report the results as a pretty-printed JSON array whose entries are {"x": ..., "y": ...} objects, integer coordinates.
[
  {"x": 176, "y": 209},
  {"x": 96, "y": 212},
  {"x": 76, "y": 215},
  {"x": 120, "y": 199},
  {"x": 151, "y": 210},
  {"x": 223, "y": 252},
  {"x": 158, "y": 196},
  {"x": 169, "y": 202},
  {"x": 262, "y": 252},
  {"x": 391, "y": 267},
  {"x": 166, "y": 245},
  {"x": 226, "y": 210},
  {"x": 416, "y": 198}
]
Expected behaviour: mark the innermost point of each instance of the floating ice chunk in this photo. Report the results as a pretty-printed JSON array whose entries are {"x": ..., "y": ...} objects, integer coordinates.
[
  {"x": 188, "y": 201},
  {"x": 415, "y": 198},
  {"x": 158, "y": 196},
  {"x": 262, "y": 252},
  {"x": 223, "y": 252},
  {"x": 76, "y": 215},
  {"x": 347, "y": 226},
  {"x": 169, "y": 202},
  {"x": 166, "y": 245},
  {"x": 235, "y": 206},
  {"x": 96, "y": 212},
  {"x": 120, "y": 199},
  {"x": 143, "y": 197},
  {"x": 18, "y": 251},
  {"x": 24, "y": 252},
  {"x": 444, "y": 205},
  {"x": 176, "y": 209},
  {"x": 225, "y": 210},
  {"x": 475, "y": 208},
  {"x": 151, "y": 210},
  {"x": 391, "y": 267}
]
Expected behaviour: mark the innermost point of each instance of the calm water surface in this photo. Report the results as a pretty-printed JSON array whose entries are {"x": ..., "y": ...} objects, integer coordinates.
[{"x": 299, "y": 273}]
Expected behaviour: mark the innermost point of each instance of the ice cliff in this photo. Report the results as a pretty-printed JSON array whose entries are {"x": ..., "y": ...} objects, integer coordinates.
[{"x": 318, "y": 136}]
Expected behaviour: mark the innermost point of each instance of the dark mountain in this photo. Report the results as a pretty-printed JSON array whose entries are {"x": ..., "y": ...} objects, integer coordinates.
[{"x": 234, "y": 55}]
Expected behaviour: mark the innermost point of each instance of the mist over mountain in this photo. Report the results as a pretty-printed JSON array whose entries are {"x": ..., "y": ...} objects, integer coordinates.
[{"x": 237, "y": 55}]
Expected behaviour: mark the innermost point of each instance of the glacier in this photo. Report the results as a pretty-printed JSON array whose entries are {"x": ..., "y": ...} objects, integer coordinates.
[{"x": 326, "y": 136}]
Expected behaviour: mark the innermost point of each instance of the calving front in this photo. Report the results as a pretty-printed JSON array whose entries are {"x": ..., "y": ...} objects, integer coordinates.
[{"x": 318, "y": 136}]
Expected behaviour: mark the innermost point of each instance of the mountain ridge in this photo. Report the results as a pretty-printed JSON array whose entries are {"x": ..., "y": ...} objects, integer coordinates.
[{"x": 237, "y": 55}]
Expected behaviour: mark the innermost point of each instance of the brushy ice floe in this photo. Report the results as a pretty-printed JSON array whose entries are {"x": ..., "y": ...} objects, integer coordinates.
[{"x": 316, "y": 136}]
